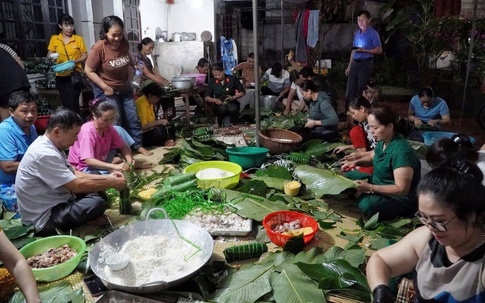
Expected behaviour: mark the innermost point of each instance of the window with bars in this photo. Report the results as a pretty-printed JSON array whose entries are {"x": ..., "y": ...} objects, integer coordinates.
[
  {"x": 27, "y": 25},
  {"x": 131, "y": 15}
]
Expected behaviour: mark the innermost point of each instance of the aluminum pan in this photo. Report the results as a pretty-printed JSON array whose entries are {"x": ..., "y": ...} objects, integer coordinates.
[{"x": 165, "y": 227}]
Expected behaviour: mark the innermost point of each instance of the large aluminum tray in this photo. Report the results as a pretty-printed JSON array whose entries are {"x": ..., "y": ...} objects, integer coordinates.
[
  {"x": 244, "y": 229},
  {"x": 115, "y": 296},
  {"x": 239, "y": 233}
]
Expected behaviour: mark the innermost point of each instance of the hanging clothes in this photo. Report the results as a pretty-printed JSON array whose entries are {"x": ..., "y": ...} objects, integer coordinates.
[
  {"x": 300, "y": 50},
  {"x": 313, "y": 28},
  {"x": 228, "y": 54}
]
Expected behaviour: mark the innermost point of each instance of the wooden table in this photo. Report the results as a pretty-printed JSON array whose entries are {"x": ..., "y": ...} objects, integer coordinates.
[{"x": 186, "y": 96}]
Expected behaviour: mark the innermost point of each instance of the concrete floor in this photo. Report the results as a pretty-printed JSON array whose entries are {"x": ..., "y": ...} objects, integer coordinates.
[{"x": 464, "y": 122}]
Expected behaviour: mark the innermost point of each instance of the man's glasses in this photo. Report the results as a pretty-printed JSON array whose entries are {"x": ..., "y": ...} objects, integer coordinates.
[{"x": 436, "y": 225}]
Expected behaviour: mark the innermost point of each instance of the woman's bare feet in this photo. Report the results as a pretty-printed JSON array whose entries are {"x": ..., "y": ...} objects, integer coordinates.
[
  {"x": 169, "y": 142},
  {"x": 143, "y": 165},
  {"x": 144, "y": 151}
]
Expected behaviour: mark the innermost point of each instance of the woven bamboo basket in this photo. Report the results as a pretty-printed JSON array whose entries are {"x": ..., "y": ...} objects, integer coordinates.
[{"x": 278, "y": 140}]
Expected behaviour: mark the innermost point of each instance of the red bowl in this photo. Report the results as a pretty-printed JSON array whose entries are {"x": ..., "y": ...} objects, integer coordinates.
[
  {"x": 285, "y": 216},
  {"x": 41, "y": 122}
]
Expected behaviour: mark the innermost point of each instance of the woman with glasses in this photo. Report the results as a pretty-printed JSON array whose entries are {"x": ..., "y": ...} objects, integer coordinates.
[
  {"x": 447, "y": 254},
  {"x": 390, "y": 190},
  {"x": 64, "y": 47}
]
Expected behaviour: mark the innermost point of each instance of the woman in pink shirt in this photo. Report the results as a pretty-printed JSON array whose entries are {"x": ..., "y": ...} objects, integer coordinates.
[{"x": 97, "y": 144}]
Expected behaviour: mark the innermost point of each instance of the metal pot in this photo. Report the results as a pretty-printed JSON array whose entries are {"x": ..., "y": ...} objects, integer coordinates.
[
  {"x": 183, "y": 85},
  {"x": 118, "y": 238},
  {"x": 193, "y": 79},
  {"x": 268, "y": 101}
]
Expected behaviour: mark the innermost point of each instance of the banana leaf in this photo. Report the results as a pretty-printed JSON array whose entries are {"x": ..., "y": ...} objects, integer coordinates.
[
  {"x": 355, "y": 255},
  {"x": 292, "y": 286},
  {"x": 246, "y": 285},
  {"x": 276, "y": 183},
  {"x": 57, "y": 292},
  {"x": 251, "y": 206},
  {"x": 317, "y": 148},
  {"x": 275, "y": 171},
  {"x": 323, "y": 182},
  {"x": 254, "y": 187},
  {"x": 15, "y": 232},
  {"x": 338, "y": 275}
]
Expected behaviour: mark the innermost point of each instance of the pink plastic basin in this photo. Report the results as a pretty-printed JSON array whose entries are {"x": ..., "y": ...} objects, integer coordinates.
[{"x": 200, "y": 78}]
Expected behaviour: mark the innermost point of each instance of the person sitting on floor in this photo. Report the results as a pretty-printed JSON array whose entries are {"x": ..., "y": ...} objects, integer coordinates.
[
  {"x": 98, "y": 142},
  {"x": 291, "y": 104},
  {"x": 372, "y": 92},
  {"x": 278, "y": 81},
  {"x": 360, "y": 135},
  {"x": 247, "y": 71},
  {"x": 390, "y": 190},
  {"x": 222, "y": 92},
  {"x": 322, "y": 119},
  {"x": 447, "y": 253},
  {"x": 155, "y": 132},
  {"x": 427, "y": 112},
  {"x": 444, "y": 150},
  {"x": 203, "y": 66},
  {"x": 16, "y": 134},
  {"x": 51, "y": 194}
]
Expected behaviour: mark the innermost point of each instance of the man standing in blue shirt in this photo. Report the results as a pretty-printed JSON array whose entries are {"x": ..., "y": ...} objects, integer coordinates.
[
  {"x": 359, "y": 71},
  {"x": 16, "y": 134}
]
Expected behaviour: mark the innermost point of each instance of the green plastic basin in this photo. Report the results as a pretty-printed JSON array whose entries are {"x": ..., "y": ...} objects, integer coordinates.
[
  {"x": 228, "y": 182},
  {"x": 58, "y": 271},
  {"x": 247, "y": 156}
]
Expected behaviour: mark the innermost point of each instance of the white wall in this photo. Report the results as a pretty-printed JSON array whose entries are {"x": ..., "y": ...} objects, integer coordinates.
[
  {"x": 186, "y": 16},
  {"x": 153, "y": 14},
  {"x": 182, "y": 16}
]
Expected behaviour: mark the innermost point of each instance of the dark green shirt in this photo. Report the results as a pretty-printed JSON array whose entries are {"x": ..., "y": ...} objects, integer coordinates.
[
  {"x": 322, "y": 110},
  {"x": 398, "y": 153},
  {"x": 215, "y": 88}
]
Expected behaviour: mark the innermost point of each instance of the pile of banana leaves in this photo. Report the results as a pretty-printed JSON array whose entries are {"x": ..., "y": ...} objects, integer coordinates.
[{"x": 193, "y": 151}]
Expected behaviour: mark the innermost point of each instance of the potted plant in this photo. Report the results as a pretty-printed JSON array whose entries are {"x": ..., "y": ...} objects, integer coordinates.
[{"x": 43, "y": 115}]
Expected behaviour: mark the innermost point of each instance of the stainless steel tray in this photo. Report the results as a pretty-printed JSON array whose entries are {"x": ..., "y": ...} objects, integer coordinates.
[
  {"x": 238, "y": 233},
  {"x": 115, "y": 296}
]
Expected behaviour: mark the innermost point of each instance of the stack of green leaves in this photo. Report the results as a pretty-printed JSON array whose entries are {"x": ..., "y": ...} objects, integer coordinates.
[{"x": 57, "y": 292}]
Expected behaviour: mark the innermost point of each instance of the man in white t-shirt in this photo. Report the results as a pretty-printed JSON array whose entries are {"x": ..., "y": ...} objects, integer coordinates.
[
  {"x": 291, "y": 104},
  {"x": 278, "y": 81},
  {"x": 51, "y": 194}
]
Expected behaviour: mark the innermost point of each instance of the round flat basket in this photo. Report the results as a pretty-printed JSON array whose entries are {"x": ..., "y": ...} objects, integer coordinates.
[{"x": 279, "y": 140}]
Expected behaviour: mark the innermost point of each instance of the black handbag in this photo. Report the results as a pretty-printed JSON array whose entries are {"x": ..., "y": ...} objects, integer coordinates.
[{"x": 78, "y": 78}]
